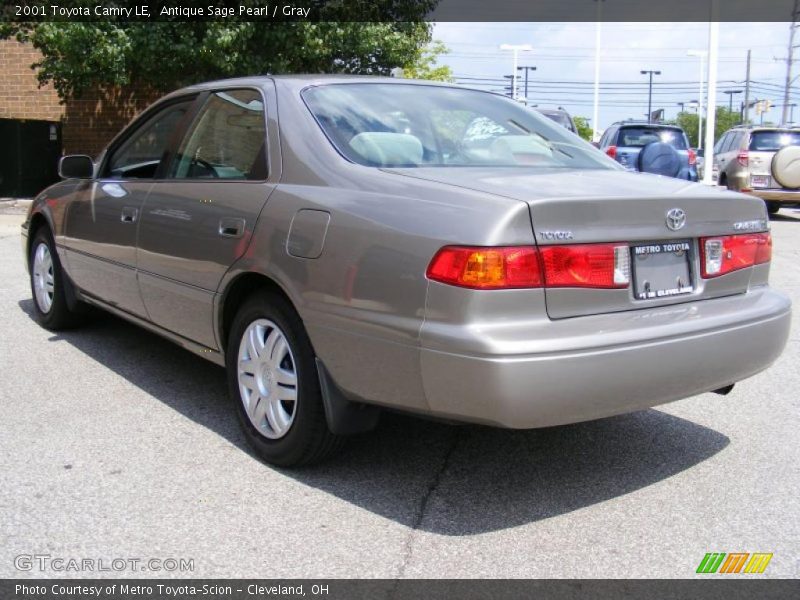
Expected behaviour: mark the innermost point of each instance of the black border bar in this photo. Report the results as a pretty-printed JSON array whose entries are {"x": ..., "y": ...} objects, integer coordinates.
[
  {"x": 400, "y": 10},
  {"x": 733, "y": 587}
]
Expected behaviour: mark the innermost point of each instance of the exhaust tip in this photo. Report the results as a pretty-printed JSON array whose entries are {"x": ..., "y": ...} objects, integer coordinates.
[{"x": 724, "y": 391}]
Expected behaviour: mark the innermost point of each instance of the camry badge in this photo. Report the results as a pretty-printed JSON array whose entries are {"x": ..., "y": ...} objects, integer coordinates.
[{"x": 676, "y": 218}]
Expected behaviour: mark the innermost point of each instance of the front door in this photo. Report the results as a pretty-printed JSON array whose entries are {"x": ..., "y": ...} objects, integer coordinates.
[
  {"x": 199, "y": 219},
  {"x": 102, "y": 221}
]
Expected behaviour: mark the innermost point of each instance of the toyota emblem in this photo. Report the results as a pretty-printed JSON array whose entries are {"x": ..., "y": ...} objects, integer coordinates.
[{"x": 676, "y": 218}]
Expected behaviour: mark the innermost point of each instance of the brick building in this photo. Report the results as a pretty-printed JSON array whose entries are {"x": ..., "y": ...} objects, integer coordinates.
[{"x": 77, "y": 126}]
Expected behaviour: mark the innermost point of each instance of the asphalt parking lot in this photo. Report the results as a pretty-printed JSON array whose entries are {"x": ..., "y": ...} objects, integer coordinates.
[{"x": 117, "y": 444}]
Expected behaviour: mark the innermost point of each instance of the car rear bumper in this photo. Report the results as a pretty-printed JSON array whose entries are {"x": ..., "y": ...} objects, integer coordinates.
[{"x": 592, "y": 367}]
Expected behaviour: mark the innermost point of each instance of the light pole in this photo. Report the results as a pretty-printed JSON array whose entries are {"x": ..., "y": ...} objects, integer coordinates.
[
  {"x": 650, "y": 94},
  {"x": 681, "y": 104},
  {"x": 526, "y": 69},
  {"x": 701, "y": 54},
  {"x": 516, "y": 49},
  {"x": 730, "y": 94},
  {"x": 596, "y": 103},
  {"x": 791, "y": 112}
]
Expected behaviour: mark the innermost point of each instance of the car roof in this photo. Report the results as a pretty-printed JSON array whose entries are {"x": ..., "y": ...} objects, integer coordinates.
[
  {"x": 646, "y": 124},
  {"x": 301, "y": 81}
]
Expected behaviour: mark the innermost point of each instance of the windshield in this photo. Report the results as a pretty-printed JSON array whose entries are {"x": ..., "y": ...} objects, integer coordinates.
[
  {"x": 401, "y": 125},
  {"x": 638, "y": 137},
  {"x": 560, "y": 118},
  {"x": 773, "y": 140}
]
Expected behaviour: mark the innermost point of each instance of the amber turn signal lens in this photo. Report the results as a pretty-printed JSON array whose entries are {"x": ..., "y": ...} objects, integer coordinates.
[{"x": 487, "y": 268}]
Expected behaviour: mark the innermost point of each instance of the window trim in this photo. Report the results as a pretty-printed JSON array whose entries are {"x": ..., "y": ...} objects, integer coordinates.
[
  {"x": 142, "y": 121},
  {"x": 195, "y": 116}
]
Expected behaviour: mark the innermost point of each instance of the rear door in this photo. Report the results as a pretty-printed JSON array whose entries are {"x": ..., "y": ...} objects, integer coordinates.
[
  {"x": 200, "y": 217},
  {"x": 101, "y": 222}
]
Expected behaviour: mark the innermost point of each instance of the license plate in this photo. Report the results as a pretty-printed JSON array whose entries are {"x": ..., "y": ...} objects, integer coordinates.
[
  {"x": 760, "y": 180},
  {"x": 662, "y": 269}
]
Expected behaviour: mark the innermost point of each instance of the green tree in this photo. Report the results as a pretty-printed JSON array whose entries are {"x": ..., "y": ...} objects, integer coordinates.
[
  {"x": 583, "y": 127},
  {"x": 169, "y": 54},
  {"x": 425, "y": 66},
  {"x": 725, "y": 119}
]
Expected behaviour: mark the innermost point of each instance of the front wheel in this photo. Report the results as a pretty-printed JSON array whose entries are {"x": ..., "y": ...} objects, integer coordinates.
[
  {"x": 48, "y": 283},
  {"x": 273, "y": 382}
]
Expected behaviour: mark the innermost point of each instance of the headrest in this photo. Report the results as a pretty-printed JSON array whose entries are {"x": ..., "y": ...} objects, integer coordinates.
[{"x": 388, "y": 149}]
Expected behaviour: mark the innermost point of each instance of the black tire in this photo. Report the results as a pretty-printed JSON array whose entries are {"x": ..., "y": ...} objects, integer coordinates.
[
  {"x": 58, "y": 315},
  {"x": 773, "y": 207},
  {"x": 308, "y": 439}
]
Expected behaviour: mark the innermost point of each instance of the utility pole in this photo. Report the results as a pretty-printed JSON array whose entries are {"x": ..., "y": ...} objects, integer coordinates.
[
  {"x": 746, "y": 115},
  {"x": 789, "y": 61},
  {"x": 526, "y": 69},
  {"x": 650, "y": 95}
]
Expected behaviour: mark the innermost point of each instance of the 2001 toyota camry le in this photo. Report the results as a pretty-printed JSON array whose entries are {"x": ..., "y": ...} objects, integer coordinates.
[{"x": 342, "y": 244}]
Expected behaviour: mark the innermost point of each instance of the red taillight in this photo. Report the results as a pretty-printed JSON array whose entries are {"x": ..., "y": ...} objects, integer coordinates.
[
  {"x": 586, "y": 265},
  {"x": 721, "y": 255},
  {"x": 612, "y": 151},
  {"x": 583, "y": 265},
  {"x": 743, "y": 157},
  {"x": 692, "y": 157},
  {"x": 487, "y": 268}
]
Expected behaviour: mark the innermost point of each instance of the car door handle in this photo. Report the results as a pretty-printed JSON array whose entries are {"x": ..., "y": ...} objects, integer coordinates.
[
  {"x": 233, "y": 228},
  {"x": 129, "y": 214}
]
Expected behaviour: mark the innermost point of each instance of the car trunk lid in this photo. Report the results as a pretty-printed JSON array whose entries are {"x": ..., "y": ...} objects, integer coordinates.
[{"x": 609, "y": 206}]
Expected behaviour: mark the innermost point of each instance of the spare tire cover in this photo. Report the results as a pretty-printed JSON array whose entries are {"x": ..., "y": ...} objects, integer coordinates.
[
  {"x": 786, "y": 167},
  {"x": 659, "y": 158}
]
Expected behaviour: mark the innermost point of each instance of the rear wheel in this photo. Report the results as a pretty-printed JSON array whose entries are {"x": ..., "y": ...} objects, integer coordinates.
[
  {"x": 48, "y": 283},
  {"x": 773, "y": 207},
  {"x": 273, "y": 382}
]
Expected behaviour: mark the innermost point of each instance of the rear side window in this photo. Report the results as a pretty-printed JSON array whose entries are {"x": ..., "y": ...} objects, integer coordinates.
[
  {"x": 227, "y": 139},
  {"x": 638, "y": 137},
  {"x": 770, "y": 141}
]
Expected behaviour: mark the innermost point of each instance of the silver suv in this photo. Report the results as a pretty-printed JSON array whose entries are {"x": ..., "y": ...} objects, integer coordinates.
[{"x": 744, "y": 161}]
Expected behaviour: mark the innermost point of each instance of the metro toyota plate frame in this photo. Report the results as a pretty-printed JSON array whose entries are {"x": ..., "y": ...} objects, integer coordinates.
[{"x": 662, "y": 269}]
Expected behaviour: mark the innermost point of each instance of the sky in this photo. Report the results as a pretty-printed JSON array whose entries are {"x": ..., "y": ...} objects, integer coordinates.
[{"x": 563, "y": 54}]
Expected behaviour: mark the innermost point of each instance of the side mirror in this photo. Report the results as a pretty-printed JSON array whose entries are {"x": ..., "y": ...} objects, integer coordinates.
[{"x": 77, "y": 166}]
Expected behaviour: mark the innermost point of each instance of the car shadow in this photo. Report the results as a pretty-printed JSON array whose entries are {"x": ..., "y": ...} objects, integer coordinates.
[
  {"x": 786, "y": 214},
  {"x": 447, "y": 479}
]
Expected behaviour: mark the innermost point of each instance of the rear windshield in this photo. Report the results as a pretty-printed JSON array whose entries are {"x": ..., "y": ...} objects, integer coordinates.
[
  {"x": 405, "y": 125},
  {"x": 767, "y": 141},
  {"x": 638, "y": 137}
]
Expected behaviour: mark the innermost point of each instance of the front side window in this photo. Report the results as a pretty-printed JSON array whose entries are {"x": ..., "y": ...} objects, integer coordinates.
[
  {"x": 227, "y": 140},
  {"x": 406, "y": 125},
  {"x": 720, "y": 146},
  {"x": 139, "y": 156}
]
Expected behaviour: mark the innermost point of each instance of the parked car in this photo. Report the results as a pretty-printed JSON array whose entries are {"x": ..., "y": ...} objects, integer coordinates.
[
  {"x": 342, "y": 244},
  {"x": 560, "y": 116},
  {"x": 760, "y": 161},
  {"x": 651, "y": 148}
]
